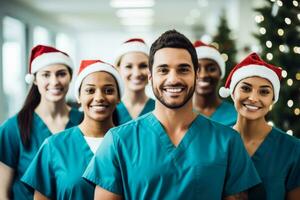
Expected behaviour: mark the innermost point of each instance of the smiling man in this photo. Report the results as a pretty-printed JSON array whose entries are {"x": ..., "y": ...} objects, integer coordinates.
[{"x": 172, "y": 153}]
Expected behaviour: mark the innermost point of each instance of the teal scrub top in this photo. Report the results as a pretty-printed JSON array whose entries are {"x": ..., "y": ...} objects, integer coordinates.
[
  {"x": 16, "y": 156},
  {"x": 58, "y": 166},
  {"x": 225, "y": 114},
  {"x": 138, "y": 161},
  {"x": 123, "y": 115},
  {"x": 277, "y": 161}
]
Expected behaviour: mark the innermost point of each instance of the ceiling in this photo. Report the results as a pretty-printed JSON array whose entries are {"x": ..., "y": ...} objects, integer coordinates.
[{"x": 87, "y": 15}]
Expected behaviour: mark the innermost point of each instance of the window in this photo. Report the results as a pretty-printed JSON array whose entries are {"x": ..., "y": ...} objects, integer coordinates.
[{"x": 14, "y": 64}]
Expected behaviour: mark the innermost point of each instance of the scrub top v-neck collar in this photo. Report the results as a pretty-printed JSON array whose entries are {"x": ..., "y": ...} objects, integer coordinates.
[
  {"x": 264, "y": 147},
  {"x": 142, "y": 111},
  {"x": 166, "y": 142},
  {"x": 68, "y": 125}
]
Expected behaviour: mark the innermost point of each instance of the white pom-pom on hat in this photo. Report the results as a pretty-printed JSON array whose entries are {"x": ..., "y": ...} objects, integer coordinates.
[
  {"x": 29, "y": 78},
  {"x": 224, "y": 92}
]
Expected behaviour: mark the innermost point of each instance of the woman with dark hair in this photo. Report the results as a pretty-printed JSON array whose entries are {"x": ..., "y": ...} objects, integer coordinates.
[
  {"x": 132, "y": 63},
  {"x": 44, "y": 113},
  {"x": 254, "y": 87},
  {"x": 55, "y": 172}
]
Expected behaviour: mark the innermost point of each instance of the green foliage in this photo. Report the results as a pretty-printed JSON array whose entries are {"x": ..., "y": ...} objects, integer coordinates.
[
  {"x": 283, "y": 116},
  {"x": 226, "y": 44}
]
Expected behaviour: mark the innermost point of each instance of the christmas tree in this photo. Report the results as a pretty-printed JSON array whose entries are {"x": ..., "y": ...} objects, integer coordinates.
[
  {"x": 279, "y": 36},
  {"x": 226, "y": 45}
]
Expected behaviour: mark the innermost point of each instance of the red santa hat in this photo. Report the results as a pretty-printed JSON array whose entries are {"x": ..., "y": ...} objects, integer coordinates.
[
  {"x": 251, "y": 66},
  {"x": 210, "y": 52},
  {"x": 131, "y": 45},
  {"x": 90, "y": 66},
  {"x": 42, "y": 56}
]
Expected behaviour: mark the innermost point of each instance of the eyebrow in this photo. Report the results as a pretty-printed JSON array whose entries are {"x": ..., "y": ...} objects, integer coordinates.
[
  {"x": 60, "y": 70},
  {"x": 89, "y": 84},
  {"x": 263, "y": 86}
]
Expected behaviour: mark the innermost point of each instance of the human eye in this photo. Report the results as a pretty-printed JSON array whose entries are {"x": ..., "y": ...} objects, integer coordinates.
[
  {"x": 184, "y": 69},
  {"x": 61, "y": 73},
  {"x": 143, "y": 66},
  {"x": 45, "y": 75},
  {"x": 245, "y": 88},
  {"x": 109, "y": 90},
  {"x": 162, "y": 70},
  {"x": 89, "y": 90},
  {"x": 212, "y": 68},
  {"x": 264, "y": 91},
  {"x": 128, "y": 66}
]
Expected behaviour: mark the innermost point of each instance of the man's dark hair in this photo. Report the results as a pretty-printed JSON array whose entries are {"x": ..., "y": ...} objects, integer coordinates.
[{"x": 173, "y": 39}]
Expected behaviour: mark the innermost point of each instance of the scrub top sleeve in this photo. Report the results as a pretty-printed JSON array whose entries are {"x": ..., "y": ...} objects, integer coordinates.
[
  {"x": 39, "y": 175},
  {"x": 9, "y": 143},
  {"x": 293, "y": 179},
  {"x": 104, "y": 169},
  {"x": 241, "y": 173}
]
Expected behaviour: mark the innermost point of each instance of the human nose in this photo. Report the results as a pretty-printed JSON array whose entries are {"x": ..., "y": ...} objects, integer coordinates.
[
  {"x": 173, "y": 77},
  {"x": 53, "y": 79},
  {"x": 136, "y": 71},
  {"x": 99, "y": 96},
  {"x": 253, "y": 96}
]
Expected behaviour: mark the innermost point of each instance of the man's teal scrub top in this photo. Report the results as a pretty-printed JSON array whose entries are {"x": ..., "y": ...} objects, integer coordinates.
[{"x": 138, "y": 161}]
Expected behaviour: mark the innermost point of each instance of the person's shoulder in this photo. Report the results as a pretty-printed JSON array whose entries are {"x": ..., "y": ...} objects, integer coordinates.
[
  {"x": 130, "y": 126},
  {"x": 215, "y": 127},
  {"x": 11, "y": 121},
  {"x": 283, "y": 137},
  {"x": 63, "y": 136}
]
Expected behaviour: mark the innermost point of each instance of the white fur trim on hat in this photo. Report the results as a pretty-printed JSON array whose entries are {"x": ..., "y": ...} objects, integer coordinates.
[
  {"x": 98, "y": 67},
  {"x": 49, "y": 59},
  {"x": 131, "y": 47},
  {"x": 29, "y": 78},
  {"x": 256, "y": 70},
  {"x": 213, "y": 54}
]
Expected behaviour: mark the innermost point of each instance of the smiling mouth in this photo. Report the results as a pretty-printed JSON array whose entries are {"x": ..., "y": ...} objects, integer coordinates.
[
  {"x": 55, "y": 91},
  {"x": 251, "y": 107},
  {"x": 99, "y": 108}
]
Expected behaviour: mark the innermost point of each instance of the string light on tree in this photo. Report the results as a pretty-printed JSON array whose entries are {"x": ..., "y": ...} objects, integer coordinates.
[
  {"x": 290, "y": 103},
  {"x": 295, "y": 3},
  {"x": 279, "y": 3},
  {"x": 297, "y": 111},
  {"x": 290, "y": 82},
  {"x": 225, "y": 56},
  {"x": 259, "y": 18},
  {"x": 269, "y": 44},
  {"x": 269, "y": 56},
  {"x": 298, "y": 76},
  {"x": 271, "y": 123},
  {"x": 298, "y": 15},
  {"x": 281, "y": 48},
  {"x": 287, "y": 21},
  {"x": 284, "y": 74},
  {"x": 297, "y": 50},
  {"x": 280, "y": 32},
  {"x": 262, "y": 30}
]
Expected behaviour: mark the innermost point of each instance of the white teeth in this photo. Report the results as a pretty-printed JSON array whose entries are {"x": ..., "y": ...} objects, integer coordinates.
[
  {"x": 203, "y": 84},
  {"x": 98, "y": 108},
  {"x": 174, "y": 90},
  {"x": 252, "y": 107},
  {"x": 55, "y": 91}
]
